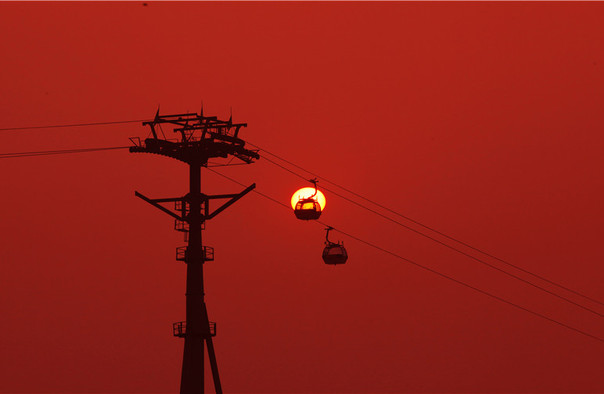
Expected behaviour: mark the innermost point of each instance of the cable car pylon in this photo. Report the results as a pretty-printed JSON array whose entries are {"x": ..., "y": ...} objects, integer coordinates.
[{"x": 199, "y": 139}]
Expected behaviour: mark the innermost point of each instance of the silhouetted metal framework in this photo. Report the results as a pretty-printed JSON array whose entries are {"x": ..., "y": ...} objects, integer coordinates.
[{"x": 199, "y": 138}]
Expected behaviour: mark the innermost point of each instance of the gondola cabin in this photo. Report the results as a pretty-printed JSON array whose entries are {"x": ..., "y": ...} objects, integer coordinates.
[
  {"x": 334, "y": 254},
  {"x": 308, "y": 203},
  {"x": 307, "y": 209}
]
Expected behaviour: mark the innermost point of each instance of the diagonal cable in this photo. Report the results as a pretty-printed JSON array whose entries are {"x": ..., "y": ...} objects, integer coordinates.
[
  {"x": 438, "y": 241},
  {"x": 484, "y": 292}
]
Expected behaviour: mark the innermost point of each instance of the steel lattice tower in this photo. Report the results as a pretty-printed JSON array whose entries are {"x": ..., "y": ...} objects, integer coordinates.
[{"x": 199, "y": 138}]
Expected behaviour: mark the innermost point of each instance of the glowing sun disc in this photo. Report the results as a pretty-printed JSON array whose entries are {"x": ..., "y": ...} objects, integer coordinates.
[{"x": 306, "y": 192}]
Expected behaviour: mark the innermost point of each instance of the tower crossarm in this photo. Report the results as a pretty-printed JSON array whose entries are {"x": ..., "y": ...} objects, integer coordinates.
[
  {"x": 155, "y": 203},
  {"x": 233, "y": 199},
  {"x": 198, "y": 151},
  {"x": 196, "y": 139}
]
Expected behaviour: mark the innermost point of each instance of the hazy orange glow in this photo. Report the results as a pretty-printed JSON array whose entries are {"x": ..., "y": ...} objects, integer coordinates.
[
  {"x": 306, "y": 192},
  {"x": 478, "y": 119}
]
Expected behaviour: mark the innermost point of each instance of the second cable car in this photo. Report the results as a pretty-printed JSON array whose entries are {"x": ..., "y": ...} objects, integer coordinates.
[{"x": 334, "y": 253}]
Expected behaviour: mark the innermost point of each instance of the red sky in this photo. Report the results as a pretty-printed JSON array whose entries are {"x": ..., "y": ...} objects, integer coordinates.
[{"x": 483, "y": 120}]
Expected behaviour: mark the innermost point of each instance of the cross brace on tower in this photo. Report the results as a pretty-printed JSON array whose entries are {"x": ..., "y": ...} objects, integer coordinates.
[{"x": 200, "y": 138}]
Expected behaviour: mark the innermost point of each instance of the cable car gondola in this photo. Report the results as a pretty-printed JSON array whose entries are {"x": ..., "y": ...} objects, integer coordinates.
[
  {"x": 308, "y": 208},
  {"x": 334, "y": 253}
]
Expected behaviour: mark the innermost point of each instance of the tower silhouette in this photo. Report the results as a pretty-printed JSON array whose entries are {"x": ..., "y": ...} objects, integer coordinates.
[{"x": 199, "y": 138}]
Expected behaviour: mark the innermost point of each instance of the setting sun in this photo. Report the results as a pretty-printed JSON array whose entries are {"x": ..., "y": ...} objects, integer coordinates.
[{"x": 306, "y": 192}]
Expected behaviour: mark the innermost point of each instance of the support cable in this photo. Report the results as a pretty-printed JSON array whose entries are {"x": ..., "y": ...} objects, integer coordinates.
[
  {"x": 484, "y": 292},
  {"x": 72, "y": 125},
  {"x": 85, "y": 150},
  {"x": 44, "y": 153},
  {"x": 437, "y": 232},
  {"x": 13, "y": 155}
]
